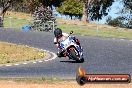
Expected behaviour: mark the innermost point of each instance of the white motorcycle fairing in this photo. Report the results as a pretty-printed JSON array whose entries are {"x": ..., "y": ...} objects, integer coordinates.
[{"x": 65, "y": 44}]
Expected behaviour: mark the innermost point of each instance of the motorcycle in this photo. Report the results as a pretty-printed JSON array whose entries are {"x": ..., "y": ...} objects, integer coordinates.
[{"x": 71, "y": 49}]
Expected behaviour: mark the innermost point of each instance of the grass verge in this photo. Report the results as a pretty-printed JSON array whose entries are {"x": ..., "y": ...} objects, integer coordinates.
[
  {"x": 38, "y": 80},
  {"x": 12, "y": 53},
  {"x": 80, "y": 28},
  {"x": 15, "y": 22},
  {"x": 88, "y": 31},
  {"x": 51, "y": 83}
]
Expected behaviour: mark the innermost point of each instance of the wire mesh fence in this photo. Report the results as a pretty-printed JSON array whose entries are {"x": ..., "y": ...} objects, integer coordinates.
[
  {"x": 37, "y": 25},
  {"x": 91, "y": 29}
]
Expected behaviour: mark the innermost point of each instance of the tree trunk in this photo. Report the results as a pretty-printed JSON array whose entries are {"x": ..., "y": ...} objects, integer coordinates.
[
  {"x": 71, "y": 17},
  {"x": 85, "y": 14},
  {"x": 85, "y": 10},
  {"x": 1, "y": 22},
  {"x": 3, "y": 9}
]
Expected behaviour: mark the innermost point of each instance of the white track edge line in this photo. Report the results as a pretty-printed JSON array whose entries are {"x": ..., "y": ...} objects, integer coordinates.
[{"x": 53, "y": 57}]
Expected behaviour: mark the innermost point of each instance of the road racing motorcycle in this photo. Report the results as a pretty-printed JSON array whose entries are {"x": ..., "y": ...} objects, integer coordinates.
[{"x": 71, "y": 49}]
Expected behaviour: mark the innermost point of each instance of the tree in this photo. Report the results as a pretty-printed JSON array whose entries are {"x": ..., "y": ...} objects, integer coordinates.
[
  {"x": 20, "y": 6},
  {"x": 42, "y": 12},
  {"x": 71, "y": 8},
  {"x": 128, "y": 3},
  {"x": 95, "y": 9},
  {"x": 119, "y": 21},
  {"x": 125, "y": 17},
  {"x": 31, "y": 5},
  {"x": 91, "y": 9},
  {"x": 128, "y": 11},
  {"x": 4, "y": 6}
]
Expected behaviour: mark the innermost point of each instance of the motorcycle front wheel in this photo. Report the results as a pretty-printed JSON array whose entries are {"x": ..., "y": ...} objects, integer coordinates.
[{"x": 75, "y": 57}]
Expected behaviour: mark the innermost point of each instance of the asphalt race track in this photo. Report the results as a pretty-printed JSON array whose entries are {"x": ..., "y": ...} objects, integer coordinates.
[{"x": 102, "y": 55}]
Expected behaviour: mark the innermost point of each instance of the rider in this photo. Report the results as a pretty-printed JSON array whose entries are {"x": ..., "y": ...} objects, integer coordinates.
[{"x": 59, "y": 36}]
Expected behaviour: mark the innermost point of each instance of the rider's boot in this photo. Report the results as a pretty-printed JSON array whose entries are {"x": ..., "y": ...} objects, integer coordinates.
[{"x": 60, "y": 53}]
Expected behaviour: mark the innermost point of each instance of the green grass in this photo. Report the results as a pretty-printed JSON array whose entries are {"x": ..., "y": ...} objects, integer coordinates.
[
  {"x": 88, "y": 29},
  {"x": 104, "y": 32},
  {"x": 15, "y": 22},
  {"x": 12, "y": 53}
]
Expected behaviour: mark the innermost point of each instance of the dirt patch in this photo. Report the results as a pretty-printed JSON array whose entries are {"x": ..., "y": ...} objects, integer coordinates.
[
  {"x": 64, "y": 84},
  {"x": 18, "y": 15}
]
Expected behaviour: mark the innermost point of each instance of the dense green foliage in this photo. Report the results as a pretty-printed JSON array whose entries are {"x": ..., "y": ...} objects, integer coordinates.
[
  {"x": 120, "y": 21},
  {"x": 95, "y": 9},
  {"x": 50, "y": 2},
  {"x": 32, "y": 4},
  {"x": 41, "y": 16},
  {"x": 125, "y": 18},
  {"x": 71, "y": 7},
  {"x": 29, "y": 5},
  {"x": 115, "y": 22},
  {"x": 99, "y": 8},
  {"x": 128, "y": 3},
  {"x": 40, "y": 9},
  {"x": 92, "y": 9}
]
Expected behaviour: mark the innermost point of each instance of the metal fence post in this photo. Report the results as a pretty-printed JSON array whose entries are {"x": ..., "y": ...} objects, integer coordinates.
[
  {"x": 10, "y": 22},
  {"x": 53, "y": 26},
  {"x": 97, "y": 29},
  {"x": 1, "y": 21}
]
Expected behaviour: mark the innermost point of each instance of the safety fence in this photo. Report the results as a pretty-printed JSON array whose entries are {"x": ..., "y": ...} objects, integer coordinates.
[
  {"x": 26, "y": 24},
  {"x": 67, "y": 25}
]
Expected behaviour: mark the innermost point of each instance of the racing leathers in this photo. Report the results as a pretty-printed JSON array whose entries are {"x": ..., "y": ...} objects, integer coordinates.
[{"x": 61, "y": 38}]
